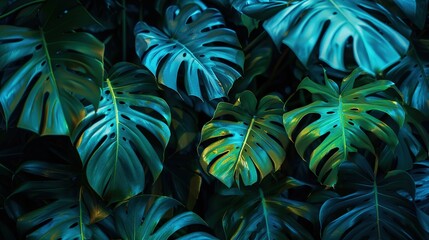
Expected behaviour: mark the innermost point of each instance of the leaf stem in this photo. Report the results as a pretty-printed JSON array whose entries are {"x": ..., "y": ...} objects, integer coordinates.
[{"x": 21, "y": 7}]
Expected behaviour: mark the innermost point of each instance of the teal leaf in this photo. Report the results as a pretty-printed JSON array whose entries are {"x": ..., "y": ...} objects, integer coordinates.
[
  {"x": 344, "y": 115},
  {"x": 420, "y": 174},
  {"x": 374, "y": 208},
  {"x": 415, "y": 10},
  {"x": 56, "y": 64},
  {"x": 130, "y": 127},
  {"x": 196, "y": 44},
  {"x": 144, "y": 217},
  {"x": 244, "y": 139},
  {"x": 336, "y": 24},
  {"x": 265, "y": 212},
  {"x": 412, "y": 76}
]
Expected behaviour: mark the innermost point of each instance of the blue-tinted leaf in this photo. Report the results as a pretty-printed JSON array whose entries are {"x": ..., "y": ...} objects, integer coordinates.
[{"x": 194, "y": 43}]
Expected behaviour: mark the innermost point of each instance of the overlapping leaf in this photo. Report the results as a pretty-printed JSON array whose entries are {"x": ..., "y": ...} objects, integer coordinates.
[
  {"x": 144, "y": 217},
  {"x": 344, "y": 115},
  {"x": 375, "y": 207},
  {"x": 196, "y": 44},
  {"x": 56, "y": 63},
  {"x": 70, "y": 210},
  {"x": 412, "y": 76},
  {"x": 330, "y": 28},
  {"x": 420, "y": 174},
  {"x": 265, "y": 212},
  {"x": 129, "y": 128},
  {"x": 244, "y": 139}
]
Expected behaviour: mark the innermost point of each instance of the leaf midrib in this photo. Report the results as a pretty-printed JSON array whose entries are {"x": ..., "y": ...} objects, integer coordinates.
[
  {"x": 265, "y": 211},
  {"x": 249, "y": 129},
  {"x": 116, "y": 112},
  {"x": 52, "y": 78}
]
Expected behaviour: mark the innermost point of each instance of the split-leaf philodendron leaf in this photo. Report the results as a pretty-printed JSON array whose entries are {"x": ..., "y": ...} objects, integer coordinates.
[
  {"x": 195, "y": 52},
  {"x": 129, "y": 128},
  {"x": 143, "y": 217},
  {"x": 56, "y": 65},
  {"x": 244, "y": 139},
  {"x": 338, "y": 26},
  {"x": 375, "y": 208},
  {"x": 345, "y": 115}
]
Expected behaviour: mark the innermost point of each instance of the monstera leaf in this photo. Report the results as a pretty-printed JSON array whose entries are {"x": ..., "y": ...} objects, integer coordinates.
[
  {"x": 194, "y": 52},
  {"x": 143, "y": 217},
  {"x": 264, "y": 212},
  {"x": 70, "y": 210},
  {"x": 413, "y": 143},
  {"x": 56, "y": 64},
  {"x": 415, "y": 10},
  {"x": 244, "y": 139},
  {"x": 375, "y": 208},
  {"x": 412, "y": 76},
  {"x": 344, "y": 115},
  {"x": 338, "y": 26},
  {"x": 130, "y": 126}
]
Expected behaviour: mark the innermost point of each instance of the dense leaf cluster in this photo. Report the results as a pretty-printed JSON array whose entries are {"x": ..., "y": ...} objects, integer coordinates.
[{"x": 214, "y": 119}]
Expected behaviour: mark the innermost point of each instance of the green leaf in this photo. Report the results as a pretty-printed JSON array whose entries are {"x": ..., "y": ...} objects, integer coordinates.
[
  {"x": 143, "y": 217},
  {"x": 54, "y": 66},
  {"x": 244, "y": 139},
  {"x": 265, "y": 212},
  {"x": 196, "y": 44},
  {"x": 345, "y": 112},
  {"x": 130, "y": 126},
  {"x": 375, "y": 208},
  {"x": 335, "y": 24}
]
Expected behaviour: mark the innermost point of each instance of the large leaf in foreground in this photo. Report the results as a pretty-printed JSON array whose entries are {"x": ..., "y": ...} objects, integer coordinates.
[
  {"x": 335, "y": 24},
  {"x": 130, "y": 126},
  {"x": 194, "y": 43},
  {"x": 145, "y": 217},
  {"x": 344, "y": 115},
  {"x": 54, "y": 65},
  {"x": 375, "y": 207},
  {"x": 244, "y": 139}
]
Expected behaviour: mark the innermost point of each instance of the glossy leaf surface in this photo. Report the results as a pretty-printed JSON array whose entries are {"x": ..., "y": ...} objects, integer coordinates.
[
  {"x": 129, "y": 128},
  {"x": 265, "y": 212},
  {"x": 142, "y": 217},
  {"x": 344, "y": 115},
  {"x": 196, "y": 44},
  {"x": 56, "y": 64},
  {"x": 375, "y": 208},
  {"x": 350, "y": 26},
  {"x": 244, "y": 139}
]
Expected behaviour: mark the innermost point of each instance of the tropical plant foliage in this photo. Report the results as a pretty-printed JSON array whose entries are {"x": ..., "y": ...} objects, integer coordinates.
[{"x": 214, "y": 119}]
